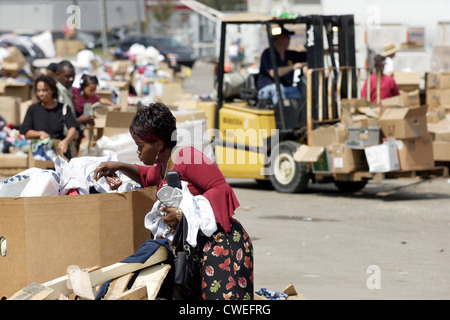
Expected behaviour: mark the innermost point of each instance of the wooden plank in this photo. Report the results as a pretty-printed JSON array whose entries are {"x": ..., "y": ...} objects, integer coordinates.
[
  {"x": 102, "y": 275},
  {"x": 80, "y": 283},
  {"x": 117, "y": 287},
  {"x": 147, "y": 283},
  {"x": 33, "y": 291},
  {"x": 134, "y": 294},
  {"x": 153, "y": 278}
]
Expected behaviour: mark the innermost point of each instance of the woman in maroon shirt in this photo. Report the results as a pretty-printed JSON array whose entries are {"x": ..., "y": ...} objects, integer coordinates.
[
  {"x": 388, "y": 87},
  {"x": 227, "y": 273}
]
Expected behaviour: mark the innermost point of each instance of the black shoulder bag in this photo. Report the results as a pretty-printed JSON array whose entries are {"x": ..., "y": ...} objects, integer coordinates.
[{"x": 187, "y": 282}]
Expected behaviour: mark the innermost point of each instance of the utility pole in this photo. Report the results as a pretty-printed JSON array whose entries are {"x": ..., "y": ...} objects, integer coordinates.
[{"x": 104, "y": 24}]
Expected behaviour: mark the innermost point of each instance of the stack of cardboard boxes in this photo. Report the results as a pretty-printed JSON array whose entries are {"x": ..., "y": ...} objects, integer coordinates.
[
  {"x": 438, "y": 101},
  {"x": 392, "y": 136}
]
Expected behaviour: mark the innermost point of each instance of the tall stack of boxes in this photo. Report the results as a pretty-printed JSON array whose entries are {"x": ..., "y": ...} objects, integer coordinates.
[{"x": 438, "y": 100}]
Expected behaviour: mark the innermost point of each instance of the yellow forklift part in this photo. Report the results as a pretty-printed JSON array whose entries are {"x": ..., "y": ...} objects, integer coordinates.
[{"x": 244, "y": 140}]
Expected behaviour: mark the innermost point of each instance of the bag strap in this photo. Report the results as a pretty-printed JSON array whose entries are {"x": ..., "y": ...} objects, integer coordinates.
[{"x": 181, "y": 233}]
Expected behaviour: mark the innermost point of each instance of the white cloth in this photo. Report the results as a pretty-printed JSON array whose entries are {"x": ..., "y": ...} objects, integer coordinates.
[
  {"x": 33, "y": 182},
  {"x": 389, "y": 65},
  {"x": 78, "y": 174},
  {"x": 85, "y": 59},
  {"x": 196, "y": 209}
]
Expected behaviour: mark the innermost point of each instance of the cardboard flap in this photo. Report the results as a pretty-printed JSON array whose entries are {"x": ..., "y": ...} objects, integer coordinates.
[
  {"x": 306, "y": 153},
  {"x": 117, "y": 122}
]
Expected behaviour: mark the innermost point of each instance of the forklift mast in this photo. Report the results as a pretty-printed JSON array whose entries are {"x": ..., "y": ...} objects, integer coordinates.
[{"x": 320, "y": 31}]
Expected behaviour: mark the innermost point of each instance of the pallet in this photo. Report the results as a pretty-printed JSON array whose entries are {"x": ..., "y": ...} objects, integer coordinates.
[{"x": 84, "y": 284}]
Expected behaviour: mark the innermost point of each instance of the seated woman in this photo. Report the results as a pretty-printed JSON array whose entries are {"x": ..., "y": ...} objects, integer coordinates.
[
  {"x": 227, "y": 255},
  {"x": 48, "y": 118}
]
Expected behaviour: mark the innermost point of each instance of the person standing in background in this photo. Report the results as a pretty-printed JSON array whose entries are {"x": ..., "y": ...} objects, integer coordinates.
[
  {"x": 388, "y": 87},
  {"x": 389, "y": 51}
]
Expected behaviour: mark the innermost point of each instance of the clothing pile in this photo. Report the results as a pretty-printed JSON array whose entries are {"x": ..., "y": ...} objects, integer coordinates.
[
  {"x": 11, "y": 140},
  {"x": 69, "y": 178}
]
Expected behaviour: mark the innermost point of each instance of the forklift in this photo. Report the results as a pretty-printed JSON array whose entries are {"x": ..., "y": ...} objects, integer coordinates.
[
  {"x": 257, "y": 140},
  {"x": 254, "y": 139}
]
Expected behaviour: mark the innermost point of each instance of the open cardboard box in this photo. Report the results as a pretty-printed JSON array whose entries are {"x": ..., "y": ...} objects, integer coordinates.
[
  {"x": 404, "y": 122},
  {"x": 44, "y": 164},
  {"x": 45, "y": 235}
]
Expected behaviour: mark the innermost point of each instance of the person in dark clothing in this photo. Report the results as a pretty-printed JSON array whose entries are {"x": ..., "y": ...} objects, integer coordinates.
[
  {"x": 48, "y": 118},
  {"x": 287, "y": 62}
]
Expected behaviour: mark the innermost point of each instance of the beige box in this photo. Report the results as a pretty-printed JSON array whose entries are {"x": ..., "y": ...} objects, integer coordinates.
[
  {"x": 441, "y": 151},
  {"x": 403, "y": 123},
  {"x": 10, "y": 109},
  {"x": 15, "y": 61},
  {"x": 437, "y": 80},
  {"x": 407, "y": 81},
  {"x": 45, "y": 235},
  {"x": 15, "y": 89},
  {"x": 346, "y": 160},
  {"x": 328, "y": 134},
  {"x": 416, "y": 153}
]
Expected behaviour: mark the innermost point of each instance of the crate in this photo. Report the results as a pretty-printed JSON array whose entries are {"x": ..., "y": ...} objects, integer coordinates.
[{"x": 361, "y": 137}]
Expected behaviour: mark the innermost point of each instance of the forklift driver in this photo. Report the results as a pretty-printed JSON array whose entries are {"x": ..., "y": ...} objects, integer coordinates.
[{"x": 287, "y": 62}]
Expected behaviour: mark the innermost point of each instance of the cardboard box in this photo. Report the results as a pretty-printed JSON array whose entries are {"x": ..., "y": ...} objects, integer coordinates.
[
  {"x": 68, "y": 47},
  {"x": 44, "y": 164},
  {"x": 317, "y": 155},
  {"x": 383, "y": 157},
  {"x": 15, "y": 61},
  {"x": 441, "y": 150},
  {"x": 433, "y": 97},
  {"x": 346, "y": 160},
  {"x": 14, "y": 160},
  {"x": 435, "y": 80},
  {"x": 444, "y": 97},
  {"x": 440, "y": 131},
  {"x": 327, "y": 134},
  {"x": 404, "y": 123},
  {"x": 124, "y": 90},
  {"x": 415, "y": 154},
  {"x": 10, "y": 109},
  {"x": 24, "y": 105},
  {"x": 407, "y": 81},
  {"x": 359, "y": 112},
  {"x": 410, "y": 98},
  {"x": 15, "y": 89},
  {"x": 45, "y": 235}
]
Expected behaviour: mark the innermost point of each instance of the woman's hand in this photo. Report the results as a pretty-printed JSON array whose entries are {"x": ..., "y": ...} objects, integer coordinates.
[
  {"x": 43, "y": 135},
  {"x": 86, "y": 119},
  {"x": 170, "y": 219},
  {"x": 63, "y": 146},
  {"x": 106, "y": 169}
]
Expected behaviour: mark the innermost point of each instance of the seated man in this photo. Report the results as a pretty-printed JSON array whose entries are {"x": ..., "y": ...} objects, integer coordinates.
[{"x": 287, "y": 62}]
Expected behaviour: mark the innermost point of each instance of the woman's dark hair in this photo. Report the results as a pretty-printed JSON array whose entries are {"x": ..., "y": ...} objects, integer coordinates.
[
  {"x": 87, "y": 79},
  {"x": 50, "y": 81},
  {"x": 378, "y": 62},
  {"x": 155, "y": 122}
]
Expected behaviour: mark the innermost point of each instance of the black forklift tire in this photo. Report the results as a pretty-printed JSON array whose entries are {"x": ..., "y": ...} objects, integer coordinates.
[
  {"x": 350, "y": 186},
  {"x": 288, "y": 176}
]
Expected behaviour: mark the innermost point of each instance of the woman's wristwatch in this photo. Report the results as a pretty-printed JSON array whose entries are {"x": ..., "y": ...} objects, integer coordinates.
[{"x": 179, "y": 214}]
